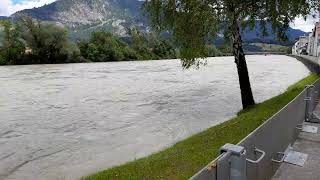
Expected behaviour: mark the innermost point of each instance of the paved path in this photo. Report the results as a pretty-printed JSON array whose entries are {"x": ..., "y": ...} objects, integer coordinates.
[{"x": 307, "y": 143}]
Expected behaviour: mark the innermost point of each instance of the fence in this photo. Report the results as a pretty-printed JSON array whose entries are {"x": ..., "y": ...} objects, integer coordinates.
[{"x": 259, "y": 155}]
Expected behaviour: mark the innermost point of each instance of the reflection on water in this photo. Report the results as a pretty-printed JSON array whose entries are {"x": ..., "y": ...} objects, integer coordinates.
[{"x": 65, "y": 121}]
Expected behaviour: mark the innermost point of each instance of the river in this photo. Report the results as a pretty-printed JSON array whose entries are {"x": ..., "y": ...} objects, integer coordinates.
[{"x": 69, "y": 120}]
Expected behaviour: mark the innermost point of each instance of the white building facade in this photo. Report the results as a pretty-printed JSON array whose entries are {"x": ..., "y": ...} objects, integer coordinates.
[
  {"x": 301, "y": 46},
  {"x": 308, "y": 45}
]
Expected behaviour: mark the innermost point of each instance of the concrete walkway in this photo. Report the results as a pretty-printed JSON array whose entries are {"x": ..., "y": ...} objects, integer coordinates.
[{"x": 307, "y": 143}]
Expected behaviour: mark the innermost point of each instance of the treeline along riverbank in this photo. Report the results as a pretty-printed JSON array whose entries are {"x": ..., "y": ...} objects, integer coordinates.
[{"x": 29, "y": 41}]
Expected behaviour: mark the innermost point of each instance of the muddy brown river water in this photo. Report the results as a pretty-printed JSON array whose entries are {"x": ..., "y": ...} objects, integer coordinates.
[{"x": 69, "y": 120}]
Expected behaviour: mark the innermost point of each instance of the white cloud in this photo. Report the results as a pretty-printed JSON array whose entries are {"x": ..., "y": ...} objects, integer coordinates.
[
  {"x": 4, "y": 5},
  {"x": 305, "y": 25},
  {"x": 7, "y": 7}
]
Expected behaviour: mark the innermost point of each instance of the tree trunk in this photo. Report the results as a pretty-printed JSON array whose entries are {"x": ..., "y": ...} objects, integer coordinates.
[{"x": 240, "y": 60}]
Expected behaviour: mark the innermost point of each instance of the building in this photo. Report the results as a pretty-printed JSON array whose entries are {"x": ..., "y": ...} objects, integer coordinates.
[
  {"x": 295, "y": 48},
  {"x": 316, "y": 42},
  {"x": 310, "y": 48},
  {"x": 313, "y": 46},
  {"x": 310, "y": 44},
  {"x": 301, "y": 46}
]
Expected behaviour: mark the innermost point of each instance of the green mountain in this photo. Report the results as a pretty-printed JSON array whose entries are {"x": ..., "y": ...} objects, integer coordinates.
[{"x": 84, "y": 16}]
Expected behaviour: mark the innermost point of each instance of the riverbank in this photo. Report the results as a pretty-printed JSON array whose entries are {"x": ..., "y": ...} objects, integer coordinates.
[
  {"x": 185, "y": 158},
  {"x": 141, "y": 60}
]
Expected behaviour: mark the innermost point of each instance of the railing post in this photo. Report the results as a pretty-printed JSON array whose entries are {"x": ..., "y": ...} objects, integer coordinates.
[
  {"x": 234, "y": 165},
  {"x": 308, "y": 99}
]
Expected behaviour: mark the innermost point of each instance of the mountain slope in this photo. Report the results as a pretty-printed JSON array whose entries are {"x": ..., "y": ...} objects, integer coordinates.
[
  {"x": 255, "y": 35},
  {"x": 85, "y": 16},
  {"x": 4, "y": 18},
  {"x": 88, "y": 15}
]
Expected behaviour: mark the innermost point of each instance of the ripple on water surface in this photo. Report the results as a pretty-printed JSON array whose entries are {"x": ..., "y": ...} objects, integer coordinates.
[{"x": 69, "y": 120}]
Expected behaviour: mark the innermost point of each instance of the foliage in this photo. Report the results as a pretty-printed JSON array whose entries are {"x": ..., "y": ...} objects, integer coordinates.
[
  {"x": 139, "y": 44},
  {"x": 213, "y": 51},
  {"x": 2, "y": 60},
  {"x": 162, "y": 48},
  {"x": 151, "y": 46},
  {"x": 225, "y": 49},
  {"x": 271, "y": 47},
  {"x": 12, "y": 48},
  {"x": 34, "y": 42},
  {"x": 185, "y": 158},
  {"x": 194, "y": 22},
  {"x": 48, "y": 42},
  {"x": 1, "y": 34},
  {"x": 289, "y": 51},
  {"x": 103, "y": 46}
]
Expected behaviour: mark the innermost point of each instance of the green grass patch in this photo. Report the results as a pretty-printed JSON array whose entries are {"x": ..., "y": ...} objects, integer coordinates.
[
  {"x": 185, "y": 158},
  {"x": 271, "y": 47}
]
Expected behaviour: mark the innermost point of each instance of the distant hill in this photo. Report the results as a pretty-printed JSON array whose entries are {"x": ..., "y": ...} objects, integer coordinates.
[
  {"x": 85, "y": 16},
  {"x": 4, "y": 18},
  {"x": 256, "y": 36}
]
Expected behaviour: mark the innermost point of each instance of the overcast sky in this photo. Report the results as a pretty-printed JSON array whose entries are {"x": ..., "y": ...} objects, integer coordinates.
[{"x": 8, "y": 7}]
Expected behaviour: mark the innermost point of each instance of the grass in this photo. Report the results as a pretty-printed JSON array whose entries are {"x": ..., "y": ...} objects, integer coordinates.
[
  {"x": 271, "y": 47},
  {"x": 185, "y": 158}
]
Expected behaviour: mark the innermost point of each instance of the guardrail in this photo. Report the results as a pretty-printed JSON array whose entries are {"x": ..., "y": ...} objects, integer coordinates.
[{"x": 259, "y": 155}]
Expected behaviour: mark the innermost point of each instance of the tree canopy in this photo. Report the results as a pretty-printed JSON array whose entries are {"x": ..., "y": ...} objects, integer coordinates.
[
  {"x": 12, "y": 49},
  {"x": 34, "y": 42},
  {"x": 104, "y": 46},
  {"x": 30, "y": 41},
  {"x": 194, "y": 22},
  {"x": 49, "y": 43}
]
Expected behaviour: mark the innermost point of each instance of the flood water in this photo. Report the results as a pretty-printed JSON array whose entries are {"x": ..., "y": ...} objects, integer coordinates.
[{"x": 69, "y": 120}]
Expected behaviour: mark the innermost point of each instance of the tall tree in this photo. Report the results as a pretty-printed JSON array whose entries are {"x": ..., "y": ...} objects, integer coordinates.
[
  {"x": 139, "y": 44},
  {"x": 194, "y": 22},
  {"x": 49, "y": 42},
  {"x": 104, "y": 46},
  {"x": 12, "y": 48}
]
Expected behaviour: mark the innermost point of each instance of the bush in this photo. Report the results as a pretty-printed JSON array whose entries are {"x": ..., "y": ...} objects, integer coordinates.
[
  {"x": 103, "y": 47},
  {"x": 2, "y": 60},
  {"x": 213, "y": 51}
]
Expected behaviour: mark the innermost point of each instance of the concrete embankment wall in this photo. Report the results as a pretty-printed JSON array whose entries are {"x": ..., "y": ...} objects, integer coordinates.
[
  {"x": 311, "y": 62},
  {"x": 257, "y": 156}
]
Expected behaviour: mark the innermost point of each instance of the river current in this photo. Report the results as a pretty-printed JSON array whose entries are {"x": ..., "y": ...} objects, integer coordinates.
[{"x": 69, "y": 120}]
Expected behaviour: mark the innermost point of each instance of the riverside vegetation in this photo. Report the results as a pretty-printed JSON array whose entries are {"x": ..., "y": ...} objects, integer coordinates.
[
  {"x": 186, "y": 157},
  {"x": 29, "y": 41}
]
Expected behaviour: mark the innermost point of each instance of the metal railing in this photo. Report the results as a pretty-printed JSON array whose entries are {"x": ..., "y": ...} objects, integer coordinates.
[{"x": 259, "y": 155}]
